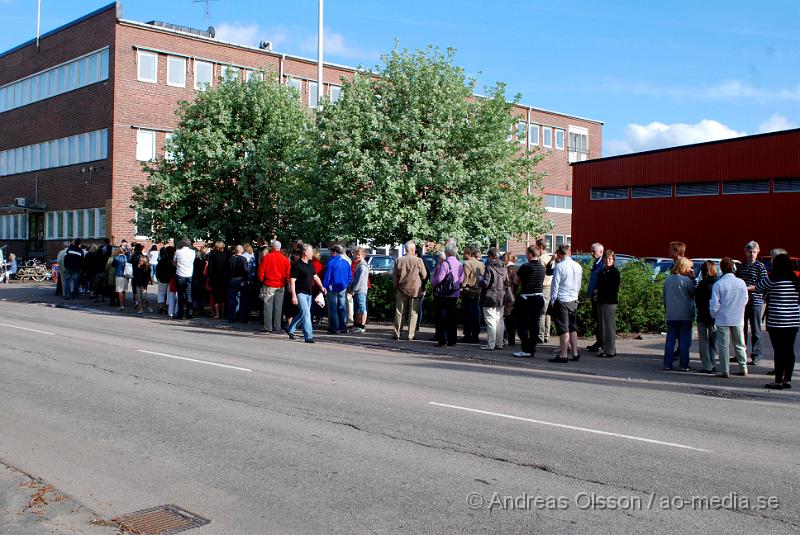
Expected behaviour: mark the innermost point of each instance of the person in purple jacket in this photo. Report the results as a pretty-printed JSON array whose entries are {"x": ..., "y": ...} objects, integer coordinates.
[{"x": 446, "y": 281}]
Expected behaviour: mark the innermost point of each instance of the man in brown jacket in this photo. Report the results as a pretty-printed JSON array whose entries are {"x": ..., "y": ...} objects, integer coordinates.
[
  {"x": 409, "y": 274},
  {"x": 470, "y": 294}
]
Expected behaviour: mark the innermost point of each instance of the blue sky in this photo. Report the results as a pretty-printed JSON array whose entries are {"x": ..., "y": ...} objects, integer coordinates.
[{"x": 658, "y": 73}]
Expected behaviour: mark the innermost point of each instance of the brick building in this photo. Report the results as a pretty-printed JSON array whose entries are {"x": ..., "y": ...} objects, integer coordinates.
[{"x": 79, "y": 114}]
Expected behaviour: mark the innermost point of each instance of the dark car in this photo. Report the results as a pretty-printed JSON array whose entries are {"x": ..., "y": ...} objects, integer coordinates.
[
  {"x": 381, "y": 264},
  {"x": 767, "y": 261}
]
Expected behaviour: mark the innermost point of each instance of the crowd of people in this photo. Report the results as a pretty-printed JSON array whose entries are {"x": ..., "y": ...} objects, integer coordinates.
[{"x": 522, "y": 300}]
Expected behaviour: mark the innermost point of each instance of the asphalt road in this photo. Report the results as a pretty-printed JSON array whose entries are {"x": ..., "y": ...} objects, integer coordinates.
[{"x": 263, "y": 435}]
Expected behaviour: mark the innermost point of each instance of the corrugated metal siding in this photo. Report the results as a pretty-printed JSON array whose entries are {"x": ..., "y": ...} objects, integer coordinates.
[{"x": 710, "y": 225}]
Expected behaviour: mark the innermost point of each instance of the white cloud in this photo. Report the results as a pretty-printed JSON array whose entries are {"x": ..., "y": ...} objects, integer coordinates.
[
  {"x": 250, "y": 34},
  {"x": 726, "y": 90},
  {"x": 659, "y": 135},
  {"x": 337, "y": 45},
  {"x": 777, "y": 122}
]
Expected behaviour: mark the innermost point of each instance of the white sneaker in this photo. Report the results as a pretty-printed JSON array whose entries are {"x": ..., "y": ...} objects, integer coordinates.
[
  {"x": 138, "y": 310},
  {"x": 521, "y": 354},
  {"x": 486, "y": 348},
  {"x": 120, "y": 309}
]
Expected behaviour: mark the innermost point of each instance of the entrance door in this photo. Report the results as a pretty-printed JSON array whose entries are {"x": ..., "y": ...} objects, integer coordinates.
[{"x": 35, "y": 234}]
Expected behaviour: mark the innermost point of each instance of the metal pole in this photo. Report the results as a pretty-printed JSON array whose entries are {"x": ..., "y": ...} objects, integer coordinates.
[
  {"x": 319, "y": 56},
  {"x": 38, "y": 22}
]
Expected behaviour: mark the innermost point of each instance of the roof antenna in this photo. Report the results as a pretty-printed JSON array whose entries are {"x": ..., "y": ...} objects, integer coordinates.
[{"x": 206, "y": 2}]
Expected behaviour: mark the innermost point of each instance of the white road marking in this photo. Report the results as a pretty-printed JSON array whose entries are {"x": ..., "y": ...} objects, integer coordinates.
[
  {"x": 25, "y": 328},
  {"x": 572, "y": 427},
  {"x": 194, "y": 360}
]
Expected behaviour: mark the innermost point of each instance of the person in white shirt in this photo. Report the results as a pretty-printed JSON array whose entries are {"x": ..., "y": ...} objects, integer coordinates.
[
  {"x": 152, "y": 258},
  {"x": 728, "y": 301},
  {"x": 184, "y": 264},
  {"x": 566, "y": 285}
]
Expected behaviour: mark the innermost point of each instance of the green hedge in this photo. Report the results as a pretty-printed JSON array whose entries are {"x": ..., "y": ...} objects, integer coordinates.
[{"x": 640, "y": 309}]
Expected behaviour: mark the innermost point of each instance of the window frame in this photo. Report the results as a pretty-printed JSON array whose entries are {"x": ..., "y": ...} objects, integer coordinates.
[
  {"x": 210, "y": 83},
  {"x": 140, "y": 133},
  {"x": 592, "y": 196},
  {"x": 563, "y": 138},
  {"x": 534, "y": 140},
  {"x": 146, "y": 54},
  {"x": 171, "y": 70},
  {"x": 547, "y": 130}
]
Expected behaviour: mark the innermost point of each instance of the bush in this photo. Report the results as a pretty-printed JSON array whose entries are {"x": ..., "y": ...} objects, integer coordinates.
[
  {"x": 382, "y": 300},
  {"x": 640, "y": 308}
]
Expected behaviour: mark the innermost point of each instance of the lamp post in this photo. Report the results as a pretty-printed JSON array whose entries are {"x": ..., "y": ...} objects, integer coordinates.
[{"x": 319, "y": 56}]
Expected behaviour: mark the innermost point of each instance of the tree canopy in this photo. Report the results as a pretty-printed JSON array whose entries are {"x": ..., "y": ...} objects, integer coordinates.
[
  {"x": 409, "y": 152},
  {"x": 235, "y": 165}
]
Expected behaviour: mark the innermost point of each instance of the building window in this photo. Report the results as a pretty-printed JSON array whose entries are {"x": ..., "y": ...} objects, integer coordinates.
[
  {"x": 148, "y": 66},
  {"x": 312, "y": 95},
  {"x": 560, "y": 240},
  {"x": 522, "y": 128},
  {"x": 696, "y": 189},
  {"x": 743, "y": 187},
  {"x": 533, "y": 134},
  {"x": 227, "y": 72},
  {"x": 558, "y": 203},
  {"x": 547, "y": 137},
  {"x": 168, "y": 155},
  {"x": 646, "y": 192},
  {"x": 86, "y": 70},
  {"x": 578, "y": 144},
  {"x": 336, "y": 93},
  {"x": 80, "y": 148},
  {"x": 296, "y": 84},
  {"x": 601, "y": 194},
  {"x": 559, "y": 139},
  {"x": 548, "y": 239},
  {"x": 786, "y": 185},
  {"x": 145, "y": 145},
  {"x": 176, "y": 71},
  {"x": 203, "y": 75}
]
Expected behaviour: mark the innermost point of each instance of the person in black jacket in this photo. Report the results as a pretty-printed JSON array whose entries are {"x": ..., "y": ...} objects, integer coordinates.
[
  {"x": 606, "y": 295},
  {"x": 238, "y": 289},
  {"x": 529, "y": 302},
  {"x": 73, "y": 265},
  {"x": 218, "y": 277},
  {"x": 706, "y": 328}
]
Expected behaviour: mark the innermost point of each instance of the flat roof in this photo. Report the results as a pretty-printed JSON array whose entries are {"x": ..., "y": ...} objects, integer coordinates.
[
  {"x": 143, "y": 25},
  {"x": 693, "y": 145}
]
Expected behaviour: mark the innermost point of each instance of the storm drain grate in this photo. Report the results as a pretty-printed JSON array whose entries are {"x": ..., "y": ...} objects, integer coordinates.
[
  {"x": 161, "y": 520},
  {"x": 723, "y": 394}
]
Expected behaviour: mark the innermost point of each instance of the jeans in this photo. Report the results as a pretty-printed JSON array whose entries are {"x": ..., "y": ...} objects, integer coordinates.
[
  {"x": 184, "y": 296},
  {"x": 472, "y": 318},
  {"x": 528, "y": 311},
  {"x": 783, "y": 346},
  {"x": 273, "y": 308},
  {"x": 337, "y": 311},
  {"x": 678, "y": 331},
  {"x": 495, "y": 326},
  {"x": 238, "y": 292},
  {"x": 303, "y": 317},
  {"x": 405, "y": 305},
  {"x": 544, "y": 319},
  {"x": 71, "y": 280},
  {"x": 707, "y": 340},
  {"x": 752, "y": 319},
  {"x": 725, "y": 337}
]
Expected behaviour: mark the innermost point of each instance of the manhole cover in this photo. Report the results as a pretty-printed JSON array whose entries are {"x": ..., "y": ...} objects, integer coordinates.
[
  {"x": 723, "y": 394},
  {"x": 161, "y": 520}
]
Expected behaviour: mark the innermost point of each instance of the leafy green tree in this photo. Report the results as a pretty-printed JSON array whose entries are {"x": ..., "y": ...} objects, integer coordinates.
[
  {"x": 409, "y": 152},
  {"x": 236, "y": 165}
]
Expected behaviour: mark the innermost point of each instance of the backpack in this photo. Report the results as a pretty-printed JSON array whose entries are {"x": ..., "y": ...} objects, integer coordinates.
[{"x": 447, "y": 287}]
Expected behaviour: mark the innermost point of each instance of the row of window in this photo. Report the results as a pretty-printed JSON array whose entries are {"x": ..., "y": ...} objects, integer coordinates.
[
  {"x": 578, "y": 139},
  {"x": 13, "y": 227},
  {"x": 71, "y": 75},
  {"x": 147, "y": 71},
  {"x": 558, "y": 202},
  {"x": 70, "y": 150},
  {"x": 69, "y": 224},
  {"x": 695, "y": 189},
  {"x": 556, "y": 240}
]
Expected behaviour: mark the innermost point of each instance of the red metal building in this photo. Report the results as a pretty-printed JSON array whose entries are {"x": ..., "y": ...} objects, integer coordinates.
[{"x": 713, "y": 196}]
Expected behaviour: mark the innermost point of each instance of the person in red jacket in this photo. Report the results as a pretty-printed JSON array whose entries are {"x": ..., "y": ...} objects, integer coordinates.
[{"x": 273, "y": 272}]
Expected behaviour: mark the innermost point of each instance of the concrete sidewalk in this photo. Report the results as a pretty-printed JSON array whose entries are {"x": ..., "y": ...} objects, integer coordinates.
[{"x": 638, "y": 361}]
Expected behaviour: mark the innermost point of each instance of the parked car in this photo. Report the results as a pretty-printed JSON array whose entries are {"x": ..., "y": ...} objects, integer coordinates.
[
  {"x": 381, "y": 264},
  {"x": 767, "y": 261},
  {"x": 697, "y": 263}
]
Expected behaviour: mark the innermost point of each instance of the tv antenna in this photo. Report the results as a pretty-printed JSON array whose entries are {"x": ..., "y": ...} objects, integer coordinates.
[{"x": 207, "y": 11}]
